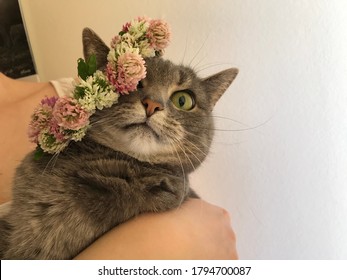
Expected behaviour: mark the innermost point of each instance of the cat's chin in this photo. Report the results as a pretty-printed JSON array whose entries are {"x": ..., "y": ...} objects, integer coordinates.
[
  {"x": 144, "y": 143},
  {"x": 142, "y": 130},
  {"x": 139, "y": 141}
]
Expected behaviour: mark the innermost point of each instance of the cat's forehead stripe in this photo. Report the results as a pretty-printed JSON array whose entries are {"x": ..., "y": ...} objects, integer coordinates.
[{"x": 183, "y": 77}]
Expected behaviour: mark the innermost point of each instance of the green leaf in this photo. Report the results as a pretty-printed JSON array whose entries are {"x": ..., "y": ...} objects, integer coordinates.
[
  {"x": 79, "y": 92},
  {"x": 38, "y": 153},
  {"x": 82, "y": 68},
  {"x": 86, "y": 69},
  {"x": 91, "y": 64}
]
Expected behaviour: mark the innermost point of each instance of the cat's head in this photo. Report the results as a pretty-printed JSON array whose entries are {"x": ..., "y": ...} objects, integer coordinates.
[{"x": 167, "y": 119}]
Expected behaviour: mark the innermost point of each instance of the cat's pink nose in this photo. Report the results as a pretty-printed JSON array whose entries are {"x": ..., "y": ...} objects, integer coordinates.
[{"x": 151, "y": 106}]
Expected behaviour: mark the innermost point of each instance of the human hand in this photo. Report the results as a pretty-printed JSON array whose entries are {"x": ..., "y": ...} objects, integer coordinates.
[
  {"x": 196, "y": 230},
  {"x": 208, "y": 231}
]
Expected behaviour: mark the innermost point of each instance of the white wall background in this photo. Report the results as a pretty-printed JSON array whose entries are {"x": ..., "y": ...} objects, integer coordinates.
[{"x": 281, "y": 166}]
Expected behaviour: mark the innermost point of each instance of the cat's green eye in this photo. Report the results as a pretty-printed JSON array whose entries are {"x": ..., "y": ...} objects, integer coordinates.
[{"x": 183, "y": 100}]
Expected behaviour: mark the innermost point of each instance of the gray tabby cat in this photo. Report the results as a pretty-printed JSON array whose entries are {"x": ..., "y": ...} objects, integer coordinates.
[{"x": 135, "y": 158}]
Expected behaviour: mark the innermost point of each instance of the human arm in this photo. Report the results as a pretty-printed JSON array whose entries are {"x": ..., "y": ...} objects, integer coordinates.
[
  {"x": 17, "y": 102},
  {"x": 196, "y": 230}
]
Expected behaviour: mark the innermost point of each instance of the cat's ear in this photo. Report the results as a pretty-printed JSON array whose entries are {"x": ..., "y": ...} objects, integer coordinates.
[
  {"x": 92, "y": 44},
  {"x": 217, "y": 84}
]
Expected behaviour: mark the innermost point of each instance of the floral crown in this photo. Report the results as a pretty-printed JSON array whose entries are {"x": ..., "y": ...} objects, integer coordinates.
[{"x": 57, "y": 121}]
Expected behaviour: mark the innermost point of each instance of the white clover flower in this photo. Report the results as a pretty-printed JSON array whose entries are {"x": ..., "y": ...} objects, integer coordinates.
[
  {"x": 49, "y": 143},
  {"x": 138, "y": 28},
  {"x": 127, "y": 44},
  {"x": 88, "y": 103},
  {"x": 146, "y": 50},
  {"x": 79, "y": 134},
  {"x": 97, "y": 93},
  {"x": 106, "y": 99},
  {"x": 111, "y": 57},
  {"x": 56, "y": 122}
]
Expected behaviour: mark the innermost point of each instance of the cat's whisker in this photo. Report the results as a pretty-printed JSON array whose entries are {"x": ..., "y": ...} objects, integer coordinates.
[
  {"x": 229, "y": 130},
  {"x": 184, "y": 153},
  {"x": 214, "y": 117},
  {"x": 185, "y": 49},
  {"x": 119, "y": 170},
  {"x": 230, "y": 119},
  {"x": 178, "y": 141},
  {"x": 197, "y": 137},
  {"x": 199, "y": 50},
  {"x": 211, "y": 65},
  {"x": 51, "y": 163},
  {"x": 185, "y": 186},
  {"x": 240, "y": 129},
  {"x": 198, "y": 149},
  {"x": 198, "y": 63},
  {"x": 106, "y": 118},
  {"x": 200, "y": 142},
  {"x": 194, "y": 154}
]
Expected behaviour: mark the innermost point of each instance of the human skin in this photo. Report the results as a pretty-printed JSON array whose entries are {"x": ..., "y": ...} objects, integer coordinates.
[
  {"x": 196, "y": 230},
  {"x": 17, "y": 102}
]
